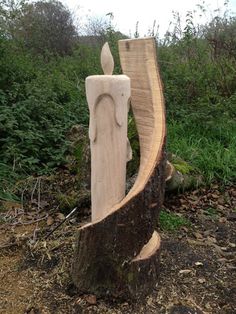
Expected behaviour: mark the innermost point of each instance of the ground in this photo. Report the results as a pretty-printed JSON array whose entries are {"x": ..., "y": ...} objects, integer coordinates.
[{"x": 198, "y": 259}]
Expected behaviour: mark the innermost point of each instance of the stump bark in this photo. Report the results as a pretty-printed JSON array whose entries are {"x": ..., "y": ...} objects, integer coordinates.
[{"x": 119, "y": 254}]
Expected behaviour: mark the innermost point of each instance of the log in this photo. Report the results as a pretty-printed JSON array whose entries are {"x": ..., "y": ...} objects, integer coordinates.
[
  {"x": 180, "y": 176},
  {"x": 118, "y": 255}
]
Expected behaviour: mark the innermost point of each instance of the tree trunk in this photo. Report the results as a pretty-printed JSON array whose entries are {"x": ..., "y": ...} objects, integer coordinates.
[{"x": 119, "y": 255}]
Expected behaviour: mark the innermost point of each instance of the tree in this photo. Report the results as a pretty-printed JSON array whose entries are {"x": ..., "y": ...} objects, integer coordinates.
[
  {"x": 44, "y": 27},
  {"x": 10, "y": 11},
  {"x": 221, "y": 35}
]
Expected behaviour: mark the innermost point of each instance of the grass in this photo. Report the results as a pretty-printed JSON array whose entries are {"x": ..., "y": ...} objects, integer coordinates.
[
  {"x": 7, "y": 181},
  {"x": 212, "y": 212},
  {"x": 172, "y": 222},
  {"x": 209, "y": 148}
]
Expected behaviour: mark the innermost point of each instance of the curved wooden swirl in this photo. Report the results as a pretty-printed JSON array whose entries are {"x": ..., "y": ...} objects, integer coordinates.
[{"x": 119, "y": 254}]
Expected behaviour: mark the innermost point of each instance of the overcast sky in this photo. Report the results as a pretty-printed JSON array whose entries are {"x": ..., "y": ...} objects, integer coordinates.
[{"x": 127, "y": 12}]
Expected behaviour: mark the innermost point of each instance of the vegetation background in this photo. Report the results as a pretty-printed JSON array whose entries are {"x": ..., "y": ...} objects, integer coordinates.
[{"x": 44, "y": 61}]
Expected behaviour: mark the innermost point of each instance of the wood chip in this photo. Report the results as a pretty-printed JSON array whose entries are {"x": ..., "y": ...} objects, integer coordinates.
[
  {"x": 50, "y": 220},
  {"x": 185, "y": 271},
  {"x": 60, "y": 216},
  {"x": 201, "y": 280},
  {"x": 221, "y": 207},
  {"x": 222, "y": 220},
  {"x": 91, "y": 299},
  {"x": 198, "y": 235},
  {"x": 212, "y": 239}
]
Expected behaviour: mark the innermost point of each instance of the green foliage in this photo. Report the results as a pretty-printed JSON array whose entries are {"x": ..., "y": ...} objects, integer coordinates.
[
  {"x": 206, "y": 138},
  {"x": 43, "y": 95},
  {"x": 39, "y": 103},
  {"x": 198, "y": 61},
  {"x": 171, "y": 221},
  {"x": 198, "y": 67},
  {"x": 212, "y": 212},
  {"x": 180, "y": 164},
  {"x": 43, "y": 27},
  {"x": 8, "y": 179},
  {"x": 66, "y": 201}
]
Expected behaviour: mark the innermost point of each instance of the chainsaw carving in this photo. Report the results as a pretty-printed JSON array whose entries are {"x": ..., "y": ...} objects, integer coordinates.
[
  {"x": 108, "y": 97},
  {"x": 118, "y": 252}
]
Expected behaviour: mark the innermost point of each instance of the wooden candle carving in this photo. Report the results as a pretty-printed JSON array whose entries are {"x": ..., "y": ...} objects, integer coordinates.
[
  {"x": 108, "y": 97},
  {"x": 118, "y": 254}
]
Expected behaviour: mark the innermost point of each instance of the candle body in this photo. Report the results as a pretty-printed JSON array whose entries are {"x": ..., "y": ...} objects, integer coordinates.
[{"x": 108, "y": 97}]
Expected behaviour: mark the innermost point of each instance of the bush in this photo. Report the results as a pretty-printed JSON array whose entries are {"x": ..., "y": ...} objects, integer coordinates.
[
  {"x": 198, "y": 67},
  {"x": 39, "y": 103}
]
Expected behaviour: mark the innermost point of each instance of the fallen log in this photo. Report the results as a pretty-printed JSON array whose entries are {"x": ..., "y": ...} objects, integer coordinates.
[{"x": 180, "y": 176}]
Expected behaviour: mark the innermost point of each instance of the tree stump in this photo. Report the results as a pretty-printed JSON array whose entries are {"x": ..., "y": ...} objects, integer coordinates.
[{"x": 118, "y": 255}]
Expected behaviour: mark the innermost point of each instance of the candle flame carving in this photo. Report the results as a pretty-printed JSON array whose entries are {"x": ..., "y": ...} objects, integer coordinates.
[{"x": 107, "y": 60}]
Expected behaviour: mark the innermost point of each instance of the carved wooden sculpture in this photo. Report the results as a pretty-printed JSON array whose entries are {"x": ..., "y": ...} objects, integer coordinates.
[
  {"x": 108, "y": 97},
  {"x": 118, "y": 252}
]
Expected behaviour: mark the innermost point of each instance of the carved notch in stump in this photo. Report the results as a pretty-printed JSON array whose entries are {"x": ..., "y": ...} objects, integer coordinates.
[{"x": 118, "y": 254}]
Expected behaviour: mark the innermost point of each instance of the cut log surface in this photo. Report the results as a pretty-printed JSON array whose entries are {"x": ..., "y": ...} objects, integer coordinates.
[{"x": 118, "y": 255}]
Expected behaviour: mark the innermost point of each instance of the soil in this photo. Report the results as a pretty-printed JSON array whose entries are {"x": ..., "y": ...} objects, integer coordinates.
[{"x": 198, "y": 261}]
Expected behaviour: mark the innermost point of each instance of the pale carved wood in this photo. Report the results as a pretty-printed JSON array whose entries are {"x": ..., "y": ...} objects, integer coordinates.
[
  {"x": 107, "y": 61},
  {"x": 108, "y": 96},
  {"x": 118, "y": 254}
]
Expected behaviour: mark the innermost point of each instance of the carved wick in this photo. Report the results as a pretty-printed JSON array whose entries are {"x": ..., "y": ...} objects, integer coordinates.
[{"x": 107, "y": 61}]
